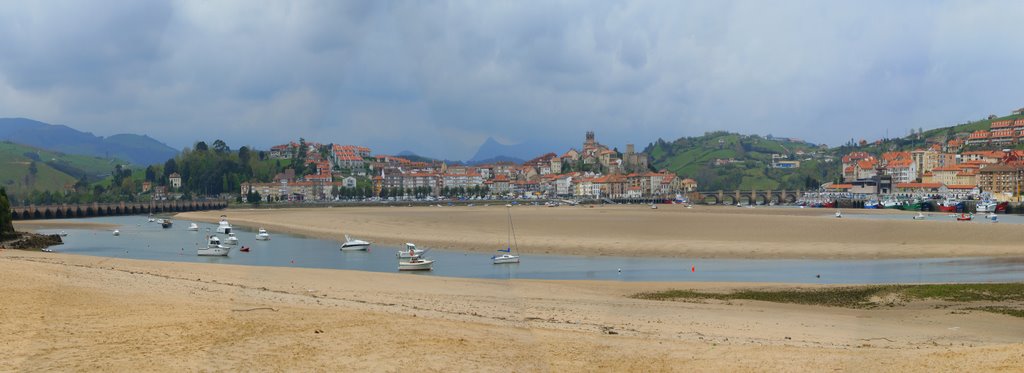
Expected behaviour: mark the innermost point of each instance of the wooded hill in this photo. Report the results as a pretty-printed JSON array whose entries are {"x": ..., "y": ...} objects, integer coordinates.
[{"x": 723, "y": 160}]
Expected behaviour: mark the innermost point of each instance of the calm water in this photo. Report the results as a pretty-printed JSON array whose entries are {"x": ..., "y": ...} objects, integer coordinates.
[{"x": 142, "y": 240}]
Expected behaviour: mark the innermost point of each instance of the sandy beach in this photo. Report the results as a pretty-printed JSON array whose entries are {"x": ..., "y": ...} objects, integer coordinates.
[
  {"x": 79, "y": 313},
  {"x": 637, "y": 230}
]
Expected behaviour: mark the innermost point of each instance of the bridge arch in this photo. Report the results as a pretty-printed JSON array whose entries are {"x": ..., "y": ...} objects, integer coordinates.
[
  {"x": 730, "y": 199},
  {"x": 711, "y": 196}
]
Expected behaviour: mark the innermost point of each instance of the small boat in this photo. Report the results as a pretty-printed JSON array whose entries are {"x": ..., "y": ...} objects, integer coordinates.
[
  {"x": 355, "y": 245},
  {"x": 839, "y": 214},
  {"x": 151, "y": 219},
  {"x": 232, "y": 240},
  {"x": 213, "y": 248},
  {"x": 224, "y": 227},
  {"x": 964, "y": 217},
  {"x": 117, "y": 232},
  {"x": 47, "y": 250},
  {"x": 992, "y": 216},
  {"x": 166, "y": 223},
  {"x": 986, "y": 206},
  {"x": 508, "y": 257},
  {"x": 410, "y": 252},
  {"x": 872, "y": 204},
  {"x": 63, "y": 234},
  {"x": 416, "y": 264},
  {"x": 919, "y": 216},
  {"x": 244, "y": 249},
  {"x": 262, "y": 235},
  {"x": 654, "y": 207},
  {"x": 193, "y": 227}
]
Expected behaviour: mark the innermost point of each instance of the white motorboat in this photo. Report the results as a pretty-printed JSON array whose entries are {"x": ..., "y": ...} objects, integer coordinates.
[
  {"x": 63, "y": 234},
  {"x": 151, "y": 219},
  {"x": 410, "y": 252},
  {"x": 839, "y": 214},
  {"x": 224, "y": 227},
  {"x": 214, "y": 248},
  {"x": 193, "y": 227},
  {"x": 508, "y": 257},
  {"x": 986, "y": 206},
  {"x": 262, "y": 235},
  {"x": 919, "y": 216},
  {"x": 117, "y": 232},
  {"x": 231, "y": 240},
  {"x": 415, "y": 264},
  {"x": 654, "y": 207},
  {"x": 354, "y": 245}
]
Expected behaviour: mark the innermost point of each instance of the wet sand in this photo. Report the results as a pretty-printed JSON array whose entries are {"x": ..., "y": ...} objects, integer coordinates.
[
  {"x": 74, "y": 313},
  {"x": 637, "y": 230}
]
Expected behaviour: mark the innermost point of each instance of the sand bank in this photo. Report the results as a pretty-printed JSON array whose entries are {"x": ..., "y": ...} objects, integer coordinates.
[
  {"x": 670, "y": 231},
  {"x": 66, "y": 312}
]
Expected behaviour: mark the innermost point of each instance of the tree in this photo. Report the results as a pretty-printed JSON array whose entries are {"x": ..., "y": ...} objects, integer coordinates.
[
  {"x": 150, "y": 173},
  {"x": 170, "y": 167},
  {"x": 201, "y": 146},
  {"x": 6, "y": 220},
  {"x": 220, "y": 146}
]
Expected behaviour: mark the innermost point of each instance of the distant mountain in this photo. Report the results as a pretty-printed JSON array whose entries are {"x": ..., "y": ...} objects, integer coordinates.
[
  {"x": 138, "y": 149},
  {"x": 492, "y": 150},
  {"x": 408, "y": 154},
  {"x": 500, "y": 158}
]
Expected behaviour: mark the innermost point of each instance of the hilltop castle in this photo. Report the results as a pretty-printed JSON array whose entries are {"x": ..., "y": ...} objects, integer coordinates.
[{"x": 594, "y": 153}]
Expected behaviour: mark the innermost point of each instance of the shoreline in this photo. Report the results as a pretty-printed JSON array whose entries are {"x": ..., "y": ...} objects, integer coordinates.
[
  {"x": 637, "y": 231},
  {"x": 84, "y": 309}
]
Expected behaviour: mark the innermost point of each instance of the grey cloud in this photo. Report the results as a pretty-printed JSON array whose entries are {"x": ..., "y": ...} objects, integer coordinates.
[{"x": 439, "y": 78}]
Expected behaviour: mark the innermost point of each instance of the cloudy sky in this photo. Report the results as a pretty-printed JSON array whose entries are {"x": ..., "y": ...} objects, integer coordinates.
[{"x": 438, "y": 78}]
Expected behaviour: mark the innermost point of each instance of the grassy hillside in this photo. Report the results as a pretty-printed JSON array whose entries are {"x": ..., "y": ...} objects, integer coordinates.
[
  {"x": 53, "y": 169},
  {"x": 968, "y": 127},
  {"x": 722, "y": 160}
]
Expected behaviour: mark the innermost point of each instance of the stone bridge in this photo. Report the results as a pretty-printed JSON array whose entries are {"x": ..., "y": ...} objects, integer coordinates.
[
  {"x": 109, "y": 209},
  {"x": 748, "y": 197}
]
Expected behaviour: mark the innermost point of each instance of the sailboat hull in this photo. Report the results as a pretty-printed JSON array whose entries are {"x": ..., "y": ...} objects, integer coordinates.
[{"x": 504, "y": 259}]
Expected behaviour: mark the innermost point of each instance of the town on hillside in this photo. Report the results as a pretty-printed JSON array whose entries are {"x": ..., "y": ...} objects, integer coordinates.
[
  {"x": 594, "y": 171},
  {"x": 982, "y": 164}
]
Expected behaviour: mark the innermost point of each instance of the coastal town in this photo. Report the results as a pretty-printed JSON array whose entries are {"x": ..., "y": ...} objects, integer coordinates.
[
  {"x": 594, "y": 171},
  {"x": 983, "y": 164}
]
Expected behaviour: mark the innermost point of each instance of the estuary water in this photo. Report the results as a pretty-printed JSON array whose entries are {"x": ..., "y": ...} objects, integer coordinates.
[{"x": 140, "y": 239}]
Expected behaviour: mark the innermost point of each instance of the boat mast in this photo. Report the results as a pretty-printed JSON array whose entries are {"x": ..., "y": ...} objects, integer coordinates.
[{"x": 511, "y": 231}]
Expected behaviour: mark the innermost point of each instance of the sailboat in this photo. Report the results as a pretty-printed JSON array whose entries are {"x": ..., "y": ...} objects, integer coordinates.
[{"x": 508, "y": 257}]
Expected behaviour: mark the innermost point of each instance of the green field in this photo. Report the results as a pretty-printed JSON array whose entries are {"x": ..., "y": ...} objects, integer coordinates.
[{"x": 53, "y": 169}]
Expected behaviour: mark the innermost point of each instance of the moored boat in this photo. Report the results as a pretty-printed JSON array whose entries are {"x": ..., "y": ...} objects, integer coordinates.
[
  {"x": 166, "y": 223},
  {"x": 213, "y": 248},
  {"x": 985, "y": 206},
  {"x": 965, "y": 217},
  {"x": 224, "y": 227},
  {"x": 193, "y": 227},
  {"x": 232, "y": 239},
  {"x": 508, "y": 257},
  {"x": 919, "y": 216},
  {"x": 117, "y": 232},
  {"x": 410, "y": 252},
  {"x": 262, "y": 235},
  {"x": 416, "y": 264},
  {"x": 355, "y": 245}
]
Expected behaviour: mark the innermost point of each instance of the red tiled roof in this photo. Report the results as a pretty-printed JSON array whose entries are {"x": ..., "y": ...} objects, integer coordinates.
[{"x": 919, "y": 185}]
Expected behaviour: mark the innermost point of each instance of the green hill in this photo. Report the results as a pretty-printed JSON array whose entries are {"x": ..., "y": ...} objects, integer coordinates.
[
  {"x": 722, "y": 160},
  {"x": 53, "y": 169}
]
